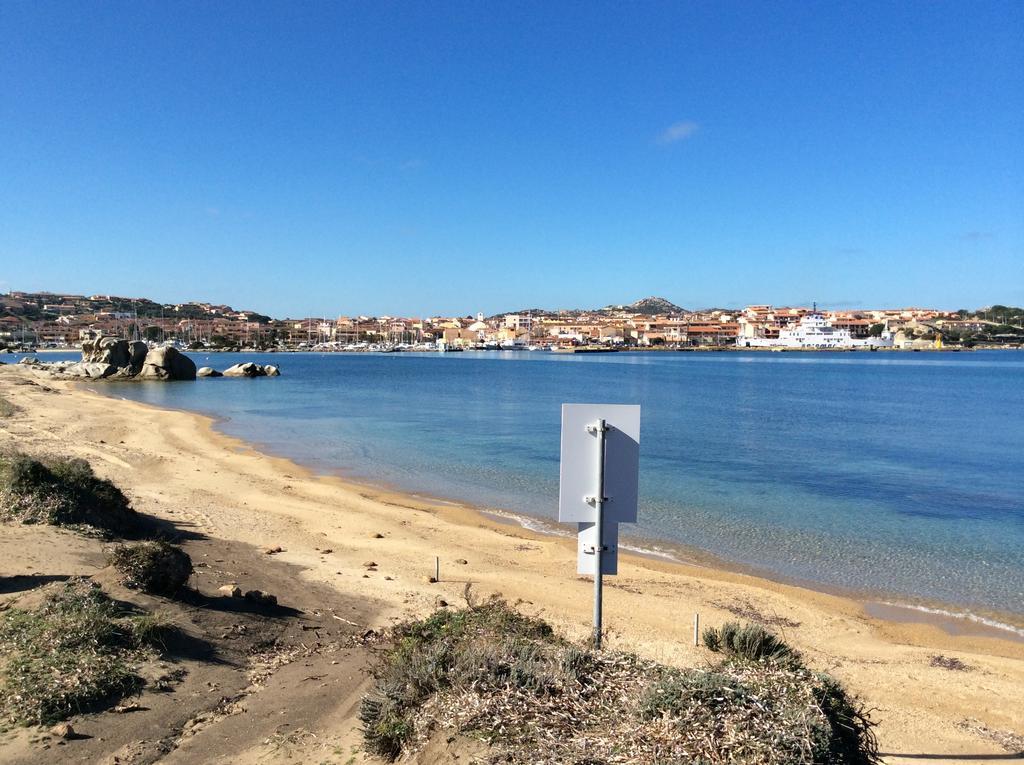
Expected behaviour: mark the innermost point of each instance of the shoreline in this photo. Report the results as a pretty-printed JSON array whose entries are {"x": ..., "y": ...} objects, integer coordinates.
[
  {"x": 951, "y": 617},
  {"x": 176, "y": 465}
]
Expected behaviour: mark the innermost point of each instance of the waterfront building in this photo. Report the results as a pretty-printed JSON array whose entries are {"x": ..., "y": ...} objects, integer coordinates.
[{"x": 812, "y": 332}]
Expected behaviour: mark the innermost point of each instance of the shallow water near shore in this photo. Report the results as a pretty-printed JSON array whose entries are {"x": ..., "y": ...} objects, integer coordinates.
[{"x": 900, "y": 474}]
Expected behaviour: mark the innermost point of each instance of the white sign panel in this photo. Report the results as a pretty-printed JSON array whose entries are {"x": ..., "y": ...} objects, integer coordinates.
[
  {"x": 586, "y": 540},
  {"x": 579, "y": 468}
]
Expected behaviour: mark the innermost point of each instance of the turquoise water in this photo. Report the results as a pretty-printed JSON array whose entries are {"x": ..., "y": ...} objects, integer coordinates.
[{"x": 897, "y": 474}]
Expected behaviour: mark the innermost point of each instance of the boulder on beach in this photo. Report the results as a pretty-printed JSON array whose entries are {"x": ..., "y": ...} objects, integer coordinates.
[
  {"x": 208, "y": 372},
  {"x": 166, "y": 363}
]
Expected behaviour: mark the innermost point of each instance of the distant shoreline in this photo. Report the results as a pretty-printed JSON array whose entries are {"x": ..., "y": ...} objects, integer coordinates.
[{"x": 636, "y": 349}]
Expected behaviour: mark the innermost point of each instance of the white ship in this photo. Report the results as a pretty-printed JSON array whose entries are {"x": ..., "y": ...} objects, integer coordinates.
[{"x": 814, "y": 332}]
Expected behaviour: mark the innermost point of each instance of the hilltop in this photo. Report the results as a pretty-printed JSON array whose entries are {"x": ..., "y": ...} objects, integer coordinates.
[{"x": 649, "y": 306}]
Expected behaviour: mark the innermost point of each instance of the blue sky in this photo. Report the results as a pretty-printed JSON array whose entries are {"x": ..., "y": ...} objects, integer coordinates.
[{"x": 419, "y": 158}]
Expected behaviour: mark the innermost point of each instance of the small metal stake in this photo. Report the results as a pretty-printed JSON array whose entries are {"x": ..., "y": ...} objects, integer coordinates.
[
  {"x": 696, "y": 629},
  {"x": 437, "y": 568}
]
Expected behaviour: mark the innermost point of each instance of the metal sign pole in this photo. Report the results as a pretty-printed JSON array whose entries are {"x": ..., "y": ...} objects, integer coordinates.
[
  {"x": 599, "y": 429},
  {"x": 597, "y": 487}
]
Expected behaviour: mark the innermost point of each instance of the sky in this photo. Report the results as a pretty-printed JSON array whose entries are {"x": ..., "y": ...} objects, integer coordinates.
[{"x": 420, "y": 158}]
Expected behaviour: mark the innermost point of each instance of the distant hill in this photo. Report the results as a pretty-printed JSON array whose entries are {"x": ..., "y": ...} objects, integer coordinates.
[
  {"x": 649, "y": 306},
  {"x": 523, "y": 312}
]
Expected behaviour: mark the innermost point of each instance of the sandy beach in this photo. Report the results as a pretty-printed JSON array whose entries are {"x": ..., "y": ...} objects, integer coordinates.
[{"x": 177, "y": 467}]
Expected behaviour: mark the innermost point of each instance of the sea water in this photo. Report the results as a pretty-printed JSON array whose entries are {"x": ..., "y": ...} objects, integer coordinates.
[{"x": 900, "y": 474}]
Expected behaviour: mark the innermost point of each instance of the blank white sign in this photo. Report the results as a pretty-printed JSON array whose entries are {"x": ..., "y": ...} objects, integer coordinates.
[
  {"x": 578, "y": 478},
  {"x": 586, "y": 540}
]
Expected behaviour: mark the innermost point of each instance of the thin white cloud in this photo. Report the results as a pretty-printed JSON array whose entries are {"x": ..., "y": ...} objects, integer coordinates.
[
  {"x": 677, "y": 132},
  {"x": 976, "y": 236}
]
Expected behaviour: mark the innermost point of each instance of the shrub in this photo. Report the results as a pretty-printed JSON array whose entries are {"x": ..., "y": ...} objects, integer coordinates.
[
  {"x": 677, "y": 691},
  {"x": 763, "y": 713},
  {"x": 385, "y": 727},
  {"x": 489, "y": 646},
  {"x": 751, "y": 642},
  {"x": 850, "y": 736},
  {"x": 73, "y": 652},
  {"x": 155, "y": 567},
  {"x": 61, "y": 492},
  {"x": 490, "y": 672}
]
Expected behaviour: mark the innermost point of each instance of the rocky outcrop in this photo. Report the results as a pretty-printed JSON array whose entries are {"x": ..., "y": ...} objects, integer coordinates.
[
  {"x": 93, "y": 370},
  {"x": 248, "y": 369},
  {"x": 251, "y": 369},
  {"x": 137, "y": 351},
  {"x": 166, "y": 363},
  {"x": 111, "y": 358},
  {"x": 108, "y": 350}
]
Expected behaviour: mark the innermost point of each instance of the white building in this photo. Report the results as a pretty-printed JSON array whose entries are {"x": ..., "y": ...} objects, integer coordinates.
[{"x": 814, "y": 332}]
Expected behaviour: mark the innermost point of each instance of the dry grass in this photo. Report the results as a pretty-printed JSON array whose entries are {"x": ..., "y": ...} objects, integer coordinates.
[
  {"x": 61, "y": 492},
  {"x": 950, "y": 662},
  {"x": 492, "y": 673},
  {"x": 73, "y": 652},
  {"x": 1008, "y": 740},
  {"x": 746, "y": 610}
]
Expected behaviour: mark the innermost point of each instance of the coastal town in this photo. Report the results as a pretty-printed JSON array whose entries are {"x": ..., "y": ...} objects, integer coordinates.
[{"x": 41, "y": 320}]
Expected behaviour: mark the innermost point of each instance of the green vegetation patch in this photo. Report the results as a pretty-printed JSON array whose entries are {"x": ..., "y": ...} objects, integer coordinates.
[
  {"x": 61, "y": 492},
  {"x": 7, "y": 409},
  {"x": 491, "y": 673},
  {"x": 750, "y": 641},
  {"x": 155, "y": 567},
  {"x": 73, "y": 652}
]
